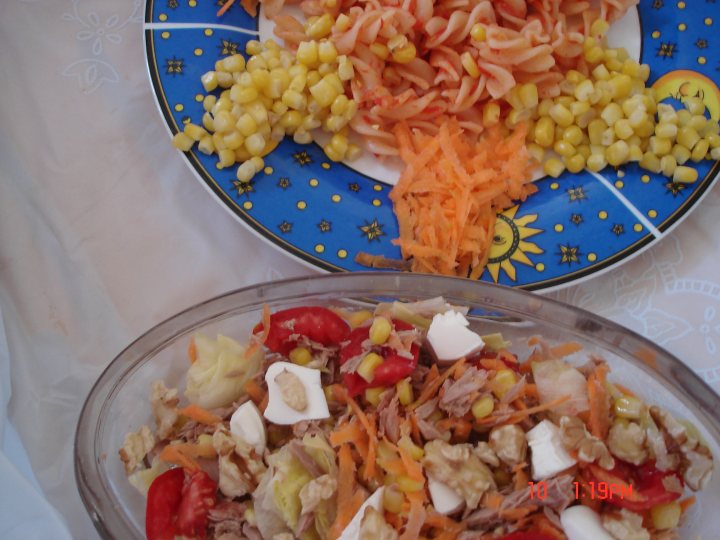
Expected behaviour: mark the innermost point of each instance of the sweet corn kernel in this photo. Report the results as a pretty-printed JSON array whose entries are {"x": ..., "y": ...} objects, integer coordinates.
[
  {"x": 564, "y": 148},
  {"x": 320, "y": 27},
  {"x": 307, "y": 53},
  {"x": 327, "y": 52},
  {"x": 246, "y": 125},
  {"x": 332, "y": 154},
  {"x": 636, "y": 153},
  {"x": 471, "y": 67},
  {"x": 182, "y": 141},
  {"x": 346, "y": 71},
  {"x": 491, "y": 114},
  {"x": 596, "y": 162},
  {"x": 623, "y": 129},
  {"x": 245, "y": 172},
  {"x": 694, "y": 104},
  {"x": 367, "y": 366},
  {"x": 478, "y": 33},
  {"x": 372, "y": 395},
  {"x": 608, "y": 137},
  {"x": 404, "y": 392},
  {"x": 700, "y": 151},
  {"x": 698, "y": 123},
  {"x": 651, "y": 162},
  {"x": 233, "y": 140},
  {"x": 380, "y": 50},
  {"x": 628, "y": 407},
  {"x": 528, "y": 95},
  {"x": 561, "y": 115},
  {"x": 218, "y": 141},
  {"x": 660, "y": 146},
  {"x": 683, "y": 116},
  {"x": 406, "y": 443},
  {"x": 536, "y": 151},
  {"x": 342, "y": 22},
  {"x": 554, "y": 167},
  {"x": 353, "y": 152},
  {"x": 357, "y": 318},
  {"x": 611, "y": 113},
  {"x": 227, "y": 158},
  {"x": 380, "y": 330},
  {"x": 666, "y": 516},
  {"x": 574, "y": 163},
  {"x": 409, "y": 485},
  {"x": 255, "y": 144},
  {"x": 713, "y": 140},
  {"x": 323, "y": 92},
  {"x": 594, "y": 55},
  {"x": 403, "y": 55},
  {"x": 194, "y": 131},
  {"x": 668, "y": 165},
  {"x": 339, "y": 143},
  {"x": 206, "y": 146},
  {"x": 687, "y": 137},
  {"x": 393, "y": 499},
  {"x": 680, "y": 153},
  {"x": 596, "y": 128},
  {"x": 253, "y": 47},
  {"x": 503, "y": 380},
  {"x": 621, "y": 86},
  {"x": 294, "y": 100},
  {"x": 599, "y": 27},
  {"x": 209, "y": 81},
  {"x": 300, "y": 355},
  {"x": 483, "y": 407},
  {"x": 685, "y": 175},
  {"x": 617, "y": 153},
  {"x": 544, "y": 132}
]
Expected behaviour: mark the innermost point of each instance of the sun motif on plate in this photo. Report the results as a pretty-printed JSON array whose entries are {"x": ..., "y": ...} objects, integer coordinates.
[{"x": 510, "y": 244}]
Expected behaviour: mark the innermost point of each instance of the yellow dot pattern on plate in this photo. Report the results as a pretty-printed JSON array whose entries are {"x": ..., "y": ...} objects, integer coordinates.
[
  {"x": 325, "y": 165},
  {"x": 179, "y": 107},
  {"x": 319, "y": 248},
  {"x": 199, "y": 97},
  {"x": 376, "y": 202},
  {"x": 301, "y": 205},
  {"x": 268, "y": 170},
  {"x": 342, "y": 253},
  {"x": 559, "y": 228},
  {"x": 656, "y": 34},
  {"x": 554, "y": 185},
  {"x": 621, "y": 174},
  {"x": 539, "y": 267},
  {"x": 162, "y": 17},
  {"x": 198, "y": 52},
  {"x": 652, "y": 213},
  {"x": 165, "y": 35},
  {"x": 592, "y": 257},
  {"x": 335, "y": 198},
  {"x": 702, "y": 60},
  {"x": 602, "y": 214},
  {"x": 681, "y": 5},
  {"x": 645, "y": 179},
  {"x": 377, "y": 187},
  {"x": 682, "y": 27},
  {"x": 247, "y": 205},
  {"x": 192, "y": 3},
  {"x": 708, "y": 21},
  {"x": 619, "y": 184},
  {"x": 637, "y": 227},
  {"x": 313, "y": 182},
  {"x": 208, "y": 32}
]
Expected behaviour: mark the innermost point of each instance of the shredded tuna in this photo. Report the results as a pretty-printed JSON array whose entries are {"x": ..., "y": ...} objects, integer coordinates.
[
  {"x": 430, "y": 432},
  {"x": 298, "y": 451},
  {"x": 251, "y": 533},
  {"x": 164, "y": 402},
  {"x": 305, "y": 521},
  {"x": 459, "y": 395},
  {"x": 426, "y": 409},
  {"x": 515, "y": 391},
  {"x": 311, "y": 427},
  {"x": 227, "y": 510},
  {"x": 389, "y": 417}
]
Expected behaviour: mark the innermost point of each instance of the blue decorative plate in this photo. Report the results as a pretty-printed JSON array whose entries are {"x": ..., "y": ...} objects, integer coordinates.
[{"x": 324, "y": 213}]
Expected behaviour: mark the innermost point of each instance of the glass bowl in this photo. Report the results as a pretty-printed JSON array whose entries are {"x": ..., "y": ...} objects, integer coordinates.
[{"x": 118, "y": 402}]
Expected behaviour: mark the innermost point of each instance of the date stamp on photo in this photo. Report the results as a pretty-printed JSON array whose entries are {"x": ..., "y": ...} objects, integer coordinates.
[{"x": 596, "y": 491}]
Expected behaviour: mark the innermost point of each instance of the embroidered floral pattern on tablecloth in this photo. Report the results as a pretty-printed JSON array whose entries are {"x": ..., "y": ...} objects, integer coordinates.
[{"x": 93, "y": 71}]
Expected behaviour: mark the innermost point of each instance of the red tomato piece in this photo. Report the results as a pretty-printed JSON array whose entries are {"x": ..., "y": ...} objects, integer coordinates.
[
  {"x": 315, "y": 323},
  {"x": 163, "y": 501},
  {"x": 354, "y": 345},
  {"x": 198, "y": 497},
  {"x": 646, "y": 481}
]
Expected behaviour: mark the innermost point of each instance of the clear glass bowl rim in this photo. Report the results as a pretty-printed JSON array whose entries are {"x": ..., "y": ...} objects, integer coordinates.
[{"x": 108, "y": 516}]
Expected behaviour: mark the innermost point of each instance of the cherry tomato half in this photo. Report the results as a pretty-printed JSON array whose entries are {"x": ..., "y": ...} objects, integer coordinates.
[{"x": 314, "y": 322}]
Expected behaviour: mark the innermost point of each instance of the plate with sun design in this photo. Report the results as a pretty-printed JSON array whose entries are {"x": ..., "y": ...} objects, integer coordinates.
[{"x": 324, "y": 213}]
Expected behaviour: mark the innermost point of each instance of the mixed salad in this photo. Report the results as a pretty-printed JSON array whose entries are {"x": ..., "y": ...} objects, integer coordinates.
[{"x": 405, "y": 423}]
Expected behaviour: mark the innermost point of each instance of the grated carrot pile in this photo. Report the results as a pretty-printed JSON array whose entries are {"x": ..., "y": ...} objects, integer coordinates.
[{"x": 448, "y": 196}]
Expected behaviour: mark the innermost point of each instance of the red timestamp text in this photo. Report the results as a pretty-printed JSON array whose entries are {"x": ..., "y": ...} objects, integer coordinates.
[{"x": 585, "y": 490}]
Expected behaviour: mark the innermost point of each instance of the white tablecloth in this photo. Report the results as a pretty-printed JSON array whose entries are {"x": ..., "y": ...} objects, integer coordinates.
[{"x": 105, "y": 232}]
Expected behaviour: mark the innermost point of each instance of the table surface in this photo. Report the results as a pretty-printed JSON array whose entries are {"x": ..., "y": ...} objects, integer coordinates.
[{"x": 105, "y": 232}]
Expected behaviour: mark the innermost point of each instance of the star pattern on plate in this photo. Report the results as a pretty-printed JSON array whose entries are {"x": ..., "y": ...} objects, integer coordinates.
[
  {"x": 667, "y": 50},
  {"x": 569, "y": 254},
  {"x": 372, "y": 230},
  {"x": 576, "y": 194},
  {"x": 283, "y": 183},
  {"x": 244, "y": 188},
  {"x": 354, "y": 187},
  {"x": 618, "y": 229},
  {"x": 675, "y": 188},
  {"x": 174, "y": 66},
  {"x": 701, "y": 43},
  {"x": 576, "y": 219},
  {"x": 302, "y": 158},
  {"x": 172, "y": 4},
  {"x": 228, "y": 47},
  {"x": 324, "y": 226},
  {"x": 285, "y": 227}
]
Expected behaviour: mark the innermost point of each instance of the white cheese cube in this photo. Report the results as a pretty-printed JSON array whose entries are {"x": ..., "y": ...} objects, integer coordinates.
[
  {"x": 247, "y": 424},
  {"x": 582, "y": 523},
  {"x": 444, "y": 498},
  {"x": 451, "y": 339},
  {"x": 549, "y": 456},
  {"x": 279, "y": 412}
]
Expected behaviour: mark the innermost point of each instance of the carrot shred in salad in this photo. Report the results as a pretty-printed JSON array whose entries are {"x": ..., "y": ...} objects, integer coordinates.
[{"x": 349, "y": 424}]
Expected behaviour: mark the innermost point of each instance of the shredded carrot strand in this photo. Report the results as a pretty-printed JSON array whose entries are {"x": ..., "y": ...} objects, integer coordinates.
[
  {"x": 255, "y": 391},
  {"x": 566, "y": 349},
  {"x": 225, "y": 7},
  {"x": 174, "y": 455},
  {"x": 192, "y": 351},
  {"x": 517, "y": 416},
  {"x": 431, "y": 389},
  {"x": 265, "y": 321},
  {"x": 203, "y": 416}
]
